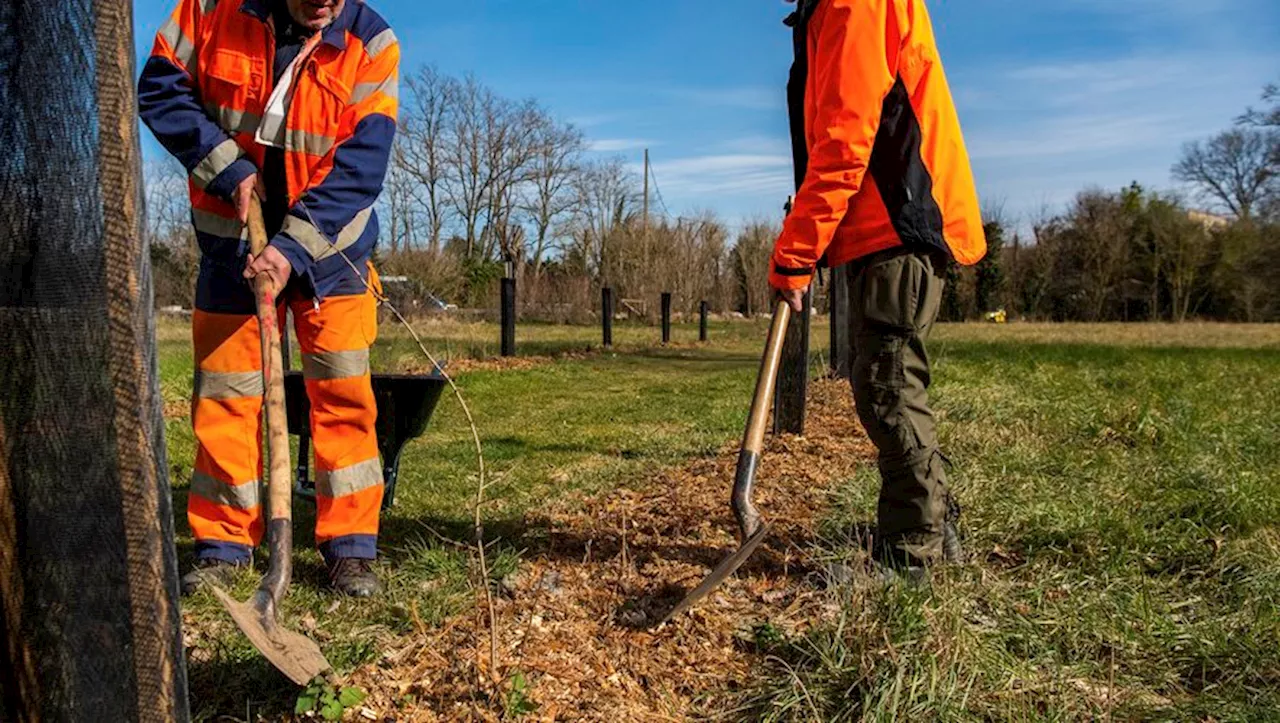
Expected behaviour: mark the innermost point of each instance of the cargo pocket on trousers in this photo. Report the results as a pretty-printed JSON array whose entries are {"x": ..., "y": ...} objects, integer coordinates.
[
  {"x": 890, "y": 295},
  {"x": 880, "y": 402}
]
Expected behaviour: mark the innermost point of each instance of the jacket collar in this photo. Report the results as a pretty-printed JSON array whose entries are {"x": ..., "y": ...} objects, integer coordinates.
[{"x": 334, "y": 35}]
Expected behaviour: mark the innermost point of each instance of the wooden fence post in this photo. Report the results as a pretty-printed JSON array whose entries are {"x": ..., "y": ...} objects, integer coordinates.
[
  {"x": 666, "y": 318},
  {"x": 702, "y": 322},
  {"x": 793, "y": 374},
  {"x": 841, "y": 346},
  {"x": 606, "y": 315},
  {"x": 508, "y": 316}
]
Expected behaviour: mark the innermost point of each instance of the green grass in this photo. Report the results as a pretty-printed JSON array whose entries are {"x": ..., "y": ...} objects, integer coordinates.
[
  {"x": 1120, "y": 508},
  {"x": 1120, "y": 494},
  {"x": 579, "y": 424}
]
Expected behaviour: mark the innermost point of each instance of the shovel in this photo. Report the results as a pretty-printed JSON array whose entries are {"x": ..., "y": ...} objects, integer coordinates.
[
  {"x": 296, "y": 655},
  {"x": 752, "y": 527}
]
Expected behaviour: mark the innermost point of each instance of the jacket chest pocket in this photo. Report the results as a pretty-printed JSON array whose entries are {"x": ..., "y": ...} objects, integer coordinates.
[
  {"x": 318, "y": 111},
  {"x": 229, "y": 89},
  {"x": 231, "y": 77}
]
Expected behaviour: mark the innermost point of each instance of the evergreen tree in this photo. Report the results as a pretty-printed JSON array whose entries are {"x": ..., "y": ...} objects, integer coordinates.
[
  {"x": 990, "y": 271},
  {"x": 952, "y": 305}
]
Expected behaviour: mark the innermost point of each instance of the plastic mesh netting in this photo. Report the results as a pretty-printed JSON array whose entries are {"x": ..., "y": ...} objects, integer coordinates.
[{"x": 89, "y": 624}]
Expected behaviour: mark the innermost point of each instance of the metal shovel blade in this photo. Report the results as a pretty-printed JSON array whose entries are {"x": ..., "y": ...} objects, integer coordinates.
[
  {"x": 727, "y": 567},
  {"x": 294, "y": 654}
]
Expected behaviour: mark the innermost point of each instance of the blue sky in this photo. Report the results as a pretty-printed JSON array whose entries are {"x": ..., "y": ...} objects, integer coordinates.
[{"x": 1054, "y": 95}]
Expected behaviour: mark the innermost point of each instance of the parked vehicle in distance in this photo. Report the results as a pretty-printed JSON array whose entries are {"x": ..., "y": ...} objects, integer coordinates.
[{"x": 410, "y": 295}]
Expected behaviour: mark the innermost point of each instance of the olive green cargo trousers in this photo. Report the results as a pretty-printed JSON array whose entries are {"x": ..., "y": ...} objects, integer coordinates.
[{"x": 894, "y": 297}]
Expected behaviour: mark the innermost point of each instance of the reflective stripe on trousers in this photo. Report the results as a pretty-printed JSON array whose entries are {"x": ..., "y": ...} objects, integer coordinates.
[
  {"x": 223, "y": 507},
  {"x": 335, "y": 339}
]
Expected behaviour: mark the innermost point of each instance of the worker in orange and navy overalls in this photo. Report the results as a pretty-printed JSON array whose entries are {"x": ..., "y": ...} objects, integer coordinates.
[
  {"x": 296, "y": 99},
  {"x": 884, "y": 186}
]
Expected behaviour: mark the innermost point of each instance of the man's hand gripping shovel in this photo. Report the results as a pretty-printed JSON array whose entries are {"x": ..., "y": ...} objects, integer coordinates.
[
  {"x": 296, "y": 655},
  {"x": 752, "y": 527}
]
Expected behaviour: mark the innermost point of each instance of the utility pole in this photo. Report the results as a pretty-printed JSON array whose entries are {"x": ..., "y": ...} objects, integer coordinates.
[
  {"x": 645, "y": 228},
  {"x": 646, "y": 192}
]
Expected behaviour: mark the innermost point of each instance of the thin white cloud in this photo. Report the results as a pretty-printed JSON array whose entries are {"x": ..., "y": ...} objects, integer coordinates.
[
  {"x": 768, "y": 145},
  {"x": 719, "y": 175},
  {"x": 1084, "y": 135},
  {"x": 618, "y": 145},
  {"x": 1043, "y": 132}
]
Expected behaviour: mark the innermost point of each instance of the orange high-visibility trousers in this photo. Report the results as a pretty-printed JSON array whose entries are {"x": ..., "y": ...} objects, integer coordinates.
[{"x": 224, "y": 508}]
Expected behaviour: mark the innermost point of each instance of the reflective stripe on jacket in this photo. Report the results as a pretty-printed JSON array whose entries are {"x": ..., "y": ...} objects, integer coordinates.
[
  {"x": 887, "y": 162},
  {"x": 203, "y": 93}
]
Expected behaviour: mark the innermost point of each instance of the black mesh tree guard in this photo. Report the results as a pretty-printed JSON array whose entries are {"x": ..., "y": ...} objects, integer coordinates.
[{"x": 89, "y": 622}]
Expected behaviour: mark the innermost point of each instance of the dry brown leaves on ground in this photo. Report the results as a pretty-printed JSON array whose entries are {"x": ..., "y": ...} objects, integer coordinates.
[
  {"x": 600, "y": 571},
  {"x": 496, "y": 364}
]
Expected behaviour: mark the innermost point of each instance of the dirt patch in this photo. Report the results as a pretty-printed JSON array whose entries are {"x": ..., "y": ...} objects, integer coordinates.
[
  {"x": 575, "y": 621},
  {"x": 177, "y": 408},
  {"x": 415, "y": 365}
]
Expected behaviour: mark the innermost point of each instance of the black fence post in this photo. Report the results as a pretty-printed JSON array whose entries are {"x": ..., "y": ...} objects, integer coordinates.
[
  {"x": 841, "y": 346},
  {"x": 508, "y": 317},
  {"x": 606, "y": 315},
  {"x": 702, "y": 321},
  {"x": 793, "y": 375},
  {"x": 666, "y": 318}
]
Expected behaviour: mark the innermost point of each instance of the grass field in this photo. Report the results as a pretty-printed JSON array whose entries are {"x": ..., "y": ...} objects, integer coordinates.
[{"x": 1120, "y": 494}]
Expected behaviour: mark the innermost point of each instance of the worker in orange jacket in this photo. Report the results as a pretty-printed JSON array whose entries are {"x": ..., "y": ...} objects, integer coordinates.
[
  {"x": 884, "y": 186},
  {"x": 295, "y": 100}
]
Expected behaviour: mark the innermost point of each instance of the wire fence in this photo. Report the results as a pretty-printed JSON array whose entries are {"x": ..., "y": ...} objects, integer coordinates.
[{"x": 89, "y": 619}]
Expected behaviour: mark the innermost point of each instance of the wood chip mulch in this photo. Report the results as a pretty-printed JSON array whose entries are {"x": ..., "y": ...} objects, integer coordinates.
[{"x": 576, "y": 621}]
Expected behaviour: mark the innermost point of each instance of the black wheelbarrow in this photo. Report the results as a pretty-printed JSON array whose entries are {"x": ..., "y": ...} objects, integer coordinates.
[{"x": 405, "y": 405}]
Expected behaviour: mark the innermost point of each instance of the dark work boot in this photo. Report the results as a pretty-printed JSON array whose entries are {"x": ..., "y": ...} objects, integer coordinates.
[
  {"x": 354, "y": 577},
  {"x": 893, "y": 563},
  {"x": 952, "y": 551},
  {"x": 209, "y": 570}
]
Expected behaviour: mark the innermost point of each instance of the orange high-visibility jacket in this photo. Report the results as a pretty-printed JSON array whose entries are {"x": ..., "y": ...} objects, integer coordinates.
[
  {"x": 203, "y": 93},
  {"x": 887, "y": 164}
]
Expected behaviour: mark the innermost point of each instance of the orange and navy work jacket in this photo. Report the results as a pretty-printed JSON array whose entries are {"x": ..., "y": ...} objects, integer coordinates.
[
  {"x": 887, "y": 164},
  {"x": 203, "y": 93}
]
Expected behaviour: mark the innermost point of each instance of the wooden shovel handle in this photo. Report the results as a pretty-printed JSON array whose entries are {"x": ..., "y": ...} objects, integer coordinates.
[
  {"x": 757, "y": 422},
  {"x": 278, "y": 483}
]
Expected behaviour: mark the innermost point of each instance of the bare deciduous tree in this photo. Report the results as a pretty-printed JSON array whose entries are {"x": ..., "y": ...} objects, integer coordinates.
[
  {"x": 1101, "y": 234},
  {"x": 751, "y": 255},
  {"x": 1182, "y": 248},
  {"x": 1235, "y": 169},
  {"x": 1266, "y": 116},
  {"x": 401, "y": 202},
  {"x": 510, "y": 147},
  {"x": 550, "y": 198},
  {"x": 467, "y": 174},
  {"x": 423, "y": 138},
  {"x": 606, "y": 192}
]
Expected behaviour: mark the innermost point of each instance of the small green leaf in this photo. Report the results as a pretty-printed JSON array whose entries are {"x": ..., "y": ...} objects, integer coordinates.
[
  {"x": 332, "y": 711},
  {"x": 351, "y": 697},
  {"x": 306, "y": 703}
]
